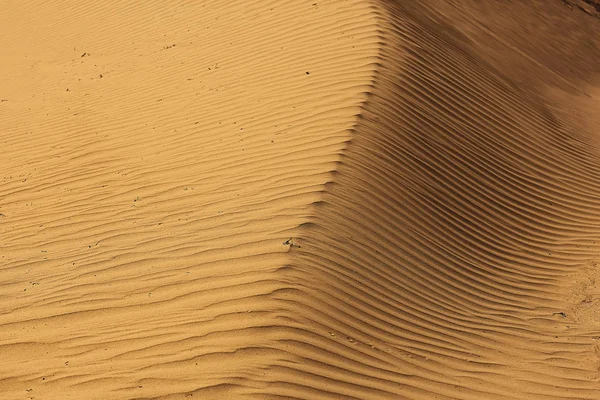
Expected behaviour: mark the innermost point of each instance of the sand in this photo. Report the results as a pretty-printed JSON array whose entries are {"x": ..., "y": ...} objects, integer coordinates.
[{"x": 302, "y": 200}]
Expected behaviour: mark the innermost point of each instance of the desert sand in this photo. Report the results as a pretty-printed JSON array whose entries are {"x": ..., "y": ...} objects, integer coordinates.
[{"x": 344, "y": 199}]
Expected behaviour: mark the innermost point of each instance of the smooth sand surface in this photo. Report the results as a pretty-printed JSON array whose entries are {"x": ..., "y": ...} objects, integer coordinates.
[{"x": 299, "y": 200}]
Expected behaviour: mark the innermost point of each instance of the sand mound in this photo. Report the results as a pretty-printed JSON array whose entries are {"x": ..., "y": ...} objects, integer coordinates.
[{"x": 322, "y": 200}]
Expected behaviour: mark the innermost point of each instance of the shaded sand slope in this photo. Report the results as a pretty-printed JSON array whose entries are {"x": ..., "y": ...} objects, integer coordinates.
[
  {"x": 456, "y": 249},
  {"x": 155, "y": 159}
]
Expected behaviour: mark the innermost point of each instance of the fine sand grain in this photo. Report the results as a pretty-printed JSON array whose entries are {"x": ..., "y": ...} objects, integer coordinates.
[{"x": 343, "y": 199}]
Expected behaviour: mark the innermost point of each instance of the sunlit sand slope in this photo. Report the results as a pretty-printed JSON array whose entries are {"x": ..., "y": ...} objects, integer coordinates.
[
  {"x": 455, "y": 253},
  {"x": 155, "y": 159}
]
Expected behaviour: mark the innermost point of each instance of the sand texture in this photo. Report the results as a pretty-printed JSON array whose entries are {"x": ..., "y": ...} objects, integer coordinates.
[{"x": 344, "y": 199}]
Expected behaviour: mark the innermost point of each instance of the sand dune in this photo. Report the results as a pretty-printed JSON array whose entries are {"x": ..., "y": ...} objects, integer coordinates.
[{"x": 309, "y": 200}]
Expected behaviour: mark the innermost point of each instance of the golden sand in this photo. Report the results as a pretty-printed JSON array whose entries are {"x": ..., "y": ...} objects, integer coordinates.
[{"x": 302, "y": 200}]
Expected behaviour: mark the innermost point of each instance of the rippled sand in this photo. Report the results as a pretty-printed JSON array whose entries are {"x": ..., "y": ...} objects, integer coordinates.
[{"x": 301, "y": 200}]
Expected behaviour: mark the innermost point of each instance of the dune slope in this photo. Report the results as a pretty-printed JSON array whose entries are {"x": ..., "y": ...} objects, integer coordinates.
[
  {"x": 156, "y": 158},
  {"x": 455, "y": 253},
  {"x": 299, "y": 200}
]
